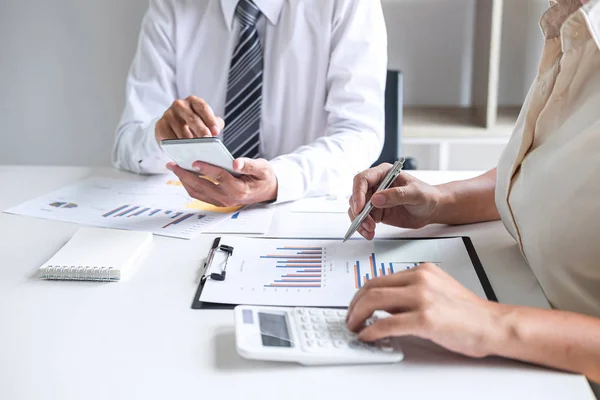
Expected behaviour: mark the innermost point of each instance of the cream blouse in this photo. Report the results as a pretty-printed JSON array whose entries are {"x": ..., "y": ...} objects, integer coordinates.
[{"x": 548, "y": 188}]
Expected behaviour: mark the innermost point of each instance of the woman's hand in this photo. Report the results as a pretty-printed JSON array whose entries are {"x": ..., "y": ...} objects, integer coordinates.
[
  {"x": 426, "y": 302},
  {"x": 408, "y": 203}
]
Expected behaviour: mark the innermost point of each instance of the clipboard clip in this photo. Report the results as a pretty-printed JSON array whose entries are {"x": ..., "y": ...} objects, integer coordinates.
[{"x": 216, "y": 276}]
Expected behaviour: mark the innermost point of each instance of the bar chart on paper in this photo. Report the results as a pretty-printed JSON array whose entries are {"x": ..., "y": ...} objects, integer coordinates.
[
  {"x": 290, "y": 272},
  {"x": 373, "y": 270},
  {"x": 298, "y": 267},
  {"x": 150, "y": 206}
]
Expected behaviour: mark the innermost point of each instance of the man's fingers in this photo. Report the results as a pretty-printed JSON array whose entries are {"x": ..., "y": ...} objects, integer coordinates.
[
  {"x": 398, "y": 196},
  {"x": 215, "y": 173},
  {"x": 403, "y": 324},
  {"x": 249, "y": 166},
  {"x": 200, "y": 196},
  {"x": 199, "y": 184},
  {"x": 188, "y": 119},
  {"x": 390, "y": 299},
  {"x": 205, "y": 112}
]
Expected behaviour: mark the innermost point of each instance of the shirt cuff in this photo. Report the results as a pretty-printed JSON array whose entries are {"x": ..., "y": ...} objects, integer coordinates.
[
  {"x": 291, "y": 184},
  {"x": 154, "y": 158}
]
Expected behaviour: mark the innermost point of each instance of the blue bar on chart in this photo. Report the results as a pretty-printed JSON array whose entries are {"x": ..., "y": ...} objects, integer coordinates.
[
  {"x": 155, "y": 212},
  {"x": 236, "y": 215},
  {"x": 132, "y": 209},
  {"x": 116, "y": 210},
  {"x": 177, "y": 221},
  {"x": 306, "y": 264},
  {"x": 382, "y": 269},
  {"x": 139, "y": 212},
  {"x": 176, "y": 215}
]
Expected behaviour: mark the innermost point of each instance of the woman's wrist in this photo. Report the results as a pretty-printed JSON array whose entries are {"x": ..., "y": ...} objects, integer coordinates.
[
  {"x": 445, "y": 202},
  {"x": 500, "y": 333}
]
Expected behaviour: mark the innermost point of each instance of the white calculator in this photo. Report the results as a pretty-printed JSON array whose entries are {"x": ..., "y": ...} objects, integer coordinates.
[{"x": 309, "y": 336}]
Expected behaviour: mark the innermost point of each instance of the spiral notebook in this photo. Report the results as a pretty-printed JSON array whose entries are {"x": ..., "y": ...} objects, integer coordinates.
[{"x": 97, "y": 254}]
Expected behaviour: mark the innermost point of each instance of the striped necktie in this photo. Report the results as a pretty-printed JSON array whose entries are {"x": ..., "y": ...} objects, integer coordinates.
[{"x": 244, "y": 88}]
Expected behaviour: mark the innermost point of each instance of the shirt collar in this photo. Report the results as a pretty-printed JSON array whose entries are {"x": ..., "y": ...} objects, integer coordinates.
[
  {"x": 271, "y": 9},
  {"x": 561, "y": 10}
]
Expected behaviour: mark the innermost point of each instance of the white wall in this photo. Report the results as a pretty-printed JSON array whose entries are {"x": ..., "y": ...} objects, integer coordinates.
[
  {"x": 62, "y": 72},
  {"x": 63, "y": 65}
]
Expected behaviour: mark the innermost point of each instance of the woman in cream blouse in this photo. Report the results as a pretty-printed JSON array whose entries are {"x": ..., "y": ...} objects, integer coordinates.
[{"x": 546, "y": 190}]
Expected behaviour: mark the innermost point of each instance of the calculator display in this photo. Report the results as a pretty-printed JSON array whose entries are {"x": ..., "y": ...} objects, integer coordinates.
[{"x": 274, "y": 330}]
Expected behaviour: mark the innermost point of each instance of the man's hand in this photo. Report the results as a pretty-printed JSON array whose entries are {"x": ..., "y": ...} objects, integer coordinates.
[
  {"x": 257, "y": 182},
  {"x": 409, "y": 203},
  {"x": 427, "y": 302},
  {"x": 186, "y": 119}
]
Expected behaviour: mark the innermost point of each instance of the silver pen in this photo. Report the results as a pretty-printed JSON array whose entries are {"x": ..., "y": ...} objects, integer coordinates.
[{"x": 385, "y": 184}]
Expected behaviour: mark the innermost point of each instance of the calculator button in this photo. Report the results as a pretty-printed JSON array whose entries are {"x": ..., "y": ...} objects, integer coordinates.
[
  {"x": 355, "y": 344},
  {"x": 301, "y": 311},
  {"x": 316, "y": 319},
  {"x": 339, "y": 343},
  {"x": 329, "y": 312},
  {"x": 320, "y": 327},
  {"x": 331, "y": 320},
  {"x": 342, "y": 313},
  {"x": 307, "y": 327},
  {"x": 310, "y": 343},
  {"x": 304, "y": 319},
  {"x": 322, "y": 335},
  {"x": 314, "y": 312},
  {"x": 309, "y": 335},
  {"x": 323, "y": 343},
  {"x": 338, "y": 335}
]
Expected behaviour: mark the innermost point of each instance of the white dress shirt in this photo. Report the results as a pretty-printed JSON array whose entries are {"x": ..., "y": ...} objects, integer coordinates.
[
  {"x": 548, "y": 187},
  {"x": 325, "y": 65}
]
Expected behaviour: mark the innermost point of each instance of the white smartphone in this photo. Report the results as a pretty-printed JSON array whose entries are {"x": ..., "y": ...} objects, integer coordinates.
[
  {"x": 309, "y": 336},
  {"x": 206, "y": 149}
]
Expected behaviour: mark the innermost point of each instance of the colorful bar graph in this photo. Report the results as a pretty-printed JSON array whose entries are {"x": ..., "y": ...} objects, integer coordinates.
[
  {"x": 116, "y": 210},
  {"x": 300, "y": 248},
  {"x": 132, "y": 209},
  {"x": 175, "y": 222},
  {"x": 139, "y": 212},
  {"x": 290, "y": 256},
  {"x": 299, "y": 266},
  {"x": 294, "y": 285}
]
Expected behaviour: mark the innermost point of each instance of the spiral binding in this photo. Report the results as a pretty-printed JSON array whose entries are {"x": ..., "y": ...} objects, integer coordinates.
[{"x": 78, "y": 273}]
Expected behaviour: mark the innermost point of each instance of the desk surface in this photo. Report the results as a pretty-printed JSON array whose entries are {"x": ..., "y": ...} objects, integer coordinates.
[{"x": 140, "y": 339}]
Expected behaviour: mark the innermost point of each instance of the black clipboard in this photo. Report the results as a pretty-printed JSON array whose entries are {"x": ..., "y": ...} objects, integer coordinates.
[{"x": 228, "y": 250}]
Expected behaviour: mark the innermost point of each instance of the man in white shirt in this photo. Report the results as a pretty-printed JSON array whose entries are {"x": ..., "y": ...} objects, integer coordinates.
[{"x": 300, "y": 83}]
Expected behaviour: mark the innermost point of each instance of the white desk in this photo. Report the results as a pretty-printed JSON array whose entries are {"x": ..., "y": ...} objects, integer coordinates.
[{"x": 139, "y": 339}]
